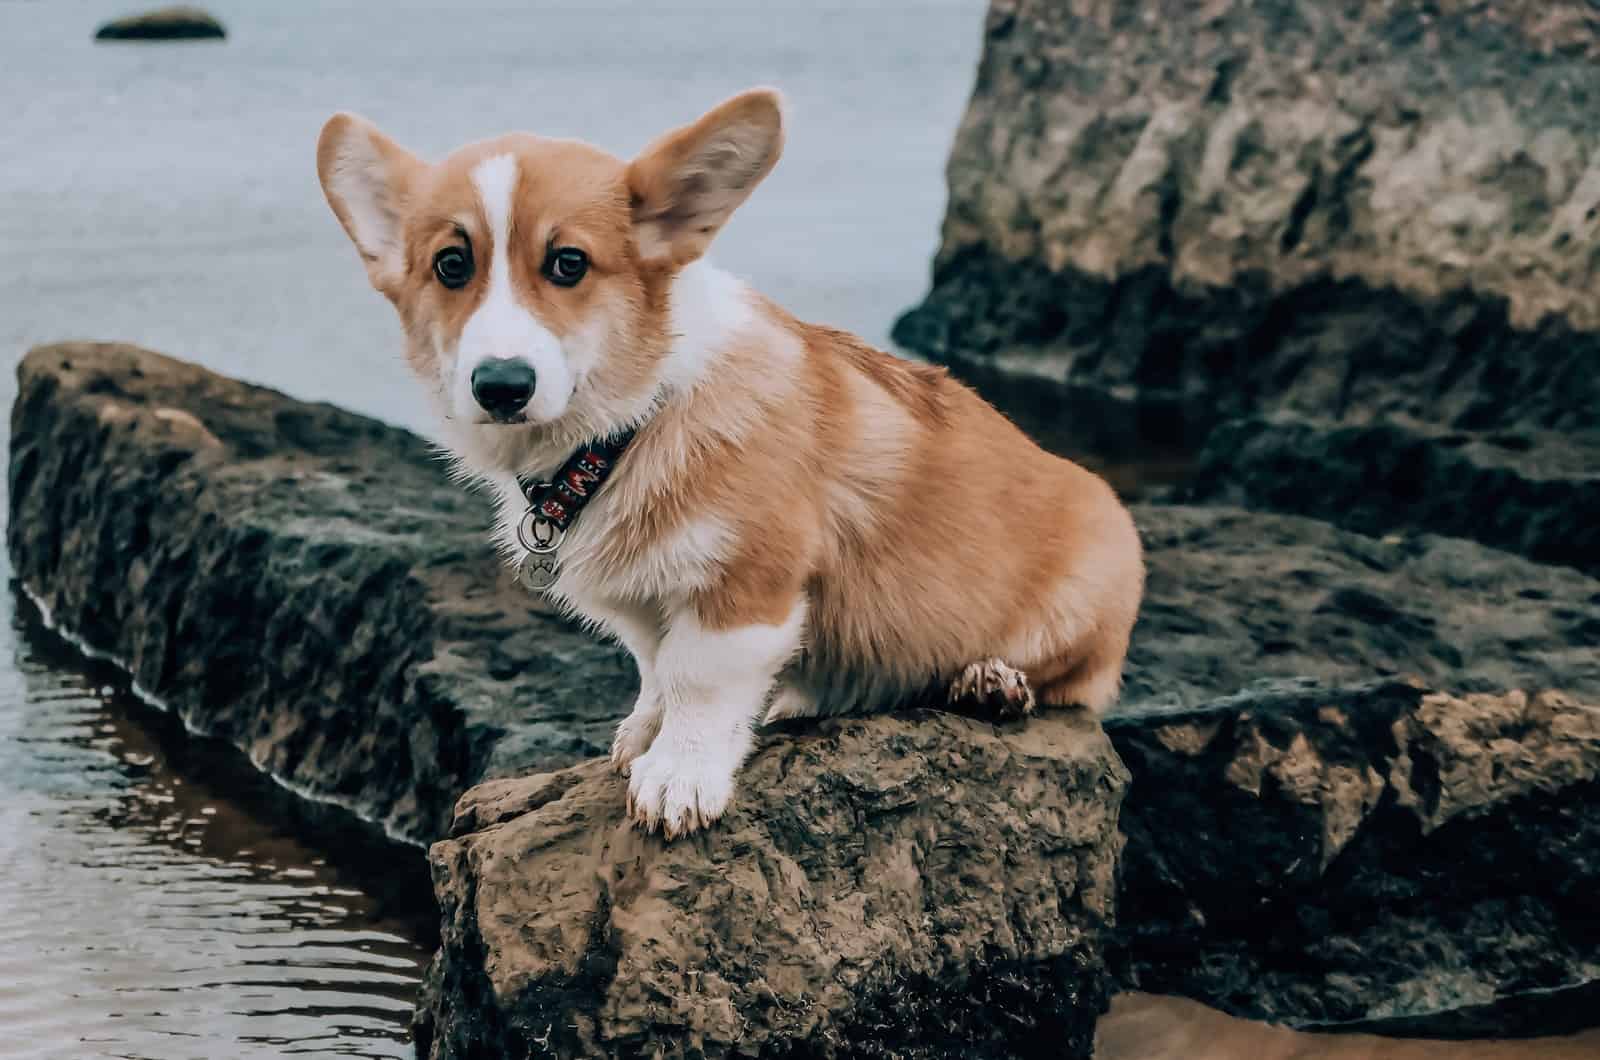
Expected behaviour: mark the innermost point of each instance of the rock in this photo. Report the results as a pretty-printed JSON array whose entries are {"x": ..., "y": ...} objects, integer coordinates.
[
  {"x": 166, "y": 23},
  {"x": 1532, "y": 492},
  {"x": 301, "y": 581},
  {"x": 1311, "y": 854},
  {"x": 895, "y": 886},
  {"x": 1343, "y": 211},
  {"x": 309, "y": 585}
]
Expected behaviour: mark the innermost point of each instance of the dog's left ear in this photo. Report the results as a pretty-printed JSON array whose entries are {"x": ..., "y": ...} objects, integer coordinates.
[
  {"x": 367, "y": 178},
  {"x": 687, "y": 184}
]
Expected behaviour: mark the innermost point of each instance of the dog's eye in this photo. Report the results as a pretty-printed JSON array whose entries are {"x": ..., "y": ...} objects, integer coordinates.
[
  {"x": 566, "y": 266},
  {"x": 453, "y": 266}
]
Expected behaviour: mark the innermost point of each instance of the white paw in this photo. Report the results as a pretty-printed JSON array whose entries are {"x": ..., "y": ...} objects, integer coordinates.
[
  {"x": 634, "y": 735},
  {"x": 678, "y": 793}
]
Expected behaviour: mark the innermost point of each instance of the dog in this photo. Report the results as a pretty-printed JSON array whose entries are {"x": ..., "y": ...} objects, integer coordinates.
[{"x": 775, "y": 519}]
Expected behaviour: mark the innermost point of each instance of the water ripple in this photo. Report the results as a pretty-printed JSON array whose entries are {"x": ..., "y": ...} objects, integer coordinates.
[{"x": 146, "y": 912}]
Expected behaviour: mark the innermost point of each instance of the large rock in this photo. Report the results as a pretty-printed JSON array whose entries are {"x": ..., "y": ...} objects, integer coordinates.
[
  {"x": 1343, "y": 209},
  {"x": 301, "y": 581},
  {"x": 903, "y": 886},
  {"x": 309, "y": 585},
  {"x": 1325, "y": 855}
]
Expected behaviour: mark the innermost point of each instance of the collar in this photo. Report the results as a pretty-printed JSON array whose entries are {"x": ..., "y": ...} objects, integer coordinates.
[{"x": 559, "y": 500}]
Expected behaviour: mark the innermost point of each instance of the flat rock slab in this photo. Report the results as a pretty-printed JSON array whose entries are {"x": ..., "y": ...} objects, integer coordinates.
[
  {"x": 1234, "y": 597},
  {"x": 299, "y": 580},
  {"x": 1321, "y": 855},
  {"x": 308, "y": 584},
  {"x": 913, "y": 886}
]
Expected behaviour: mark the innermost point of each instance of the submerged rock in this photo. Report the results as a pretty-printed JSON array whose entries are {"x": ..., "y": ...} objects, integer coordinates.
[
  {"x": 911, "y": 886},
  {"x": 167, "y": 23}
]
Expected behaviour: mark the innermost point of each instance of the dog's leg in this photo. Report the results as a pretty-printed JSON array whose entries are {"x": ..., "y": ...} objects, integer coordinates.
[
  {"x": 640, "y": 633},
  {"x": 713, "y": 684},
  {"x": 993, "y": 689}
]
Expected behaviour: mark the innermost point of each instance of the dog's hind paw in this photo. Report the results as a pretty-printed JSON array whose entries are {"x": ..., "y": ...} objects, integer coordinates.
[{"x": 990, "y": 688}]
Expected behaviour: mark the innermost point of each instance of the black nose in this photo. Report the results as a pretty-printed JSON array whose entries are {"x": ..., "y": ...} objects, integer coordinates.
[{"x": 502, "y": 385}]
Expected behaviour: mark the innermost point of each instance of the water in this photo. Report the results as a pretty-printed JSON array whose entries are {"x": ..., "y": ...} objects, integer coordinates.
[
  {"x": 167, "y": 194},
  {"x": 154, "y": 901}
]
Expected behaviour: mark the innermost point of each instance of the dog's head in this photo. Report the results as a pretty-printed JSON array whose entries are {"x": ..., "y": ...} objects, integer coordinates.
[{"x": 532, "y": 276}]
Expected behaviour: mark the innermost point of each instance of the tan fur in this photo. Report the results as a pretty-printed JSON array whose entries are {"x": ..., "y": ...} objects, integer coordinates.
[
  {"x": 1150, "y": 1027},
  {"x": 781, "y": 469}
]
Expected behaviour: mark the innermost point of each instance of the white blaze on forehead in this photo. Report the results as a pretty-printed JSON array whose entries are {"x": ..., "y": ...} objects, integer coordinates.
[
  {"x": 496, "y": 181},
  {"x": 502, "y": 326}
]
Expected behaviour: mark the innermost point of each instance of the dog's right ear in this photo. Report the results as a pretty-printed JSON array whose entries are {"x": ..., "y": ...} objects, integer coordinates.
[
  {"x": 687, "y": 184},
  {"x": 367, "y": 178}
]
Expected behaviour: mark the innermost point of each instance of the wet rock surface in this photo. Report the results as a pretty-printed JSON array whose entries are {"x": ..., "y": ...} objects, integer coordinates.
[
  {"x": 164, "y": 24},
  {"x": 914, "y": 886},
  {"x": 301, "y": 581},
  {"x": 1316, "y": 854}
]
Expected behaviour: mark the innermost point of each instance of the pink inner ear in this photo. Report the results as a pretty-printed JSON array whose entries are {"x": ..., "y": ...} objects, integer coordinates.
[{"x": 687, "y": 185}]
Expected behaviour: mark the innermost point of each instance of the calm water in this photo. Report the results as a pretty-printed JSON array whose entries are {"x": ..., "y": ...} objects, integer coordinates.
[
  {"x": 154, "y": 902},
  {"x": 167, "y": 194}
]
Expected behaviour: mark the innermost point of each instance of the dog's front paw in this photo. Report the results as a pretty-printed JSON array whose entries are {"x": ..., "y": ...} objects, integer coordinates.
[
  {"x": 678, "y": 793},
  {"x": 633, "y": 736}
]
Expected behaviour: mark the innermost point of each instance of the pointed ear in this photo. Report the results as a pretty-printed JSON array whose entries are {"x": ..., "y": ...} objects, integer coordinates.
[
  {"x": 687, "y": 184},
  {"x": 367, "y": 178}
]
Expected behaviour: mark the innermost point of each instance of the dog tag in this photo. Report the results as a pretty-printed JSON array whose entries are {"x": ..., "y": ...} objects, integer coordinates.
[{"x": 537, "y": 572}]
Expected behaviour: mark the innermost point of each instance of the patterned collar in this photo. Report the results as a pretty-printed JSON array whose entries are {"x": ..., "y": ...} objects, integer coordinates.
[{"x": 558, "y": 501}]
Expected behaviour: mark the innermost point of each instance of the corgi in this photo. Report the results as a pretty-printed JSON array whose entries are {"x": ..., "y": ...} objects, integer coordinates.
[{"x": 774, "y": 519}]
